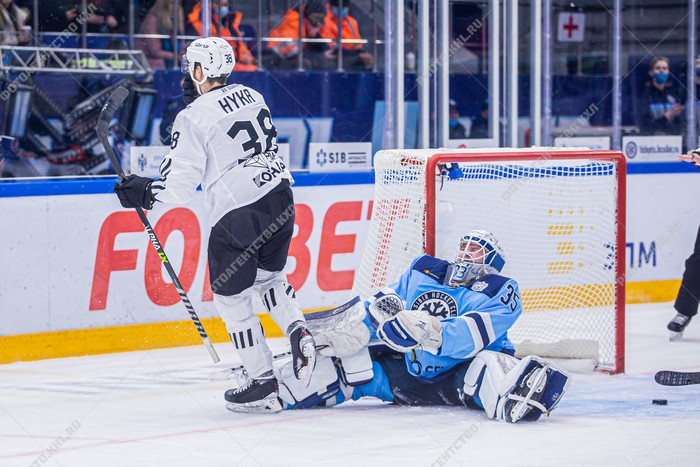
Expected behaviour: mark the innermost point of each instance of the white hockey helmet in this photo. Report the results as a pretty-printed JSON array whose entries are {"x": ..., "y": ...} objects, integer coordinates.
[
  {"x": 489, "y": 251},
  {"x": 214, "y": 55}
]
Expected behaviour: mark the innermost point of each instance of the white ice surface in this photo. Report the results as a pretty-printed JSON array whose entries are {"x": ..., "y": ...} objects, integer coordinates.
[{"x": 163, "y": 407}]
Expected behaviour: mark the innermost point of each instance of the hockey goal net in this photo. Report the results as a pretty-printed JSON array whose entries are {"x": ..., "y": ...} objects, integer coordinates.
[{"x": 558, "y": 213}]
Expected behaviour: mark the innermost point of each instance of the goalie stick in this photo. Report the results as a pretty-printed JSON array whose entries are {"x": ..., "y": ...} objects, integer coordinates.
[
  {"x": 115, "y": 101},
  {"x": 677, "y": 378}
]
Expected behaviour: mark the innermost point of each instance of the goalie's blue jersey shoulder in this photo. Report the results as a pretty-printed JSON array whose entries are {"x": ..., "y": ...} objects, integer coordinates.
[
  {"x": 436, "y": 269},
  {"x": 432, "y": 267},
  {"x": 489, "y": 285}
]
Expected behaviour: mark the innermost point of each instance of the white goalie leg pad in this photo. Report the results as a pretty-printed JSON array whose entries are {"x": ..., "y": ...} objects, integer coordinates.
[
  {"x": 279, "y": 298},
  {"x": 341, "y": 331},
  {"x": 357, "y": 368},
  {"x": 246, "y": 331},
  {"x": 512, "y": 389},
  {"x": 324, "y": 385},
  {"x": 484, "y": 378}
]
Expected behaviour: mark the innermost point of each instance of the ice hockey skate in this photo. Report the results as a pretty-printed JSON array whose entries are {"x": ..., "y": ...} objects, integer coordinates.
[
  {"x": 255, "y": 395},
  {"x": 677, "y": 325}
]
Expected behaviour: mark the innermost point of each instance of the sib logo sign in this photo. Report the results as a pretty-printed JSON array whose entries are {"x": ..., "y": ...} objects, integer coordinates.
[
  {"x": 323, "y": 158},
  {"x": 340, "y": 157}
]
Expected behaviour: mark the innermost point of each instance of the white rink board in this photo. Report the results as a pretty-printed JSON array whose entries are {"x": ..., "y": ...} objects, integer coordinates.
[
  {"x": 50, "y": 250},
  {"x": 49, "y": 245}
]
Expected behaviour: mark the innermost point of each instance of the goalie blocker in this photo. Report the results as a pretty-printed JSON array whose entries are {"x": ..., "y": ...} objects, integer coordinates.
[{"x": 506, "y": 387}]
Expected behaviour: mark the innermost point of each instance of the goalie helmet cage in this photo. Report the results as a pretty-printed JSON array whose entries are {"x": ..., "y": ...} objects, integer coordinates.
[{"x": 559, "y": 214}]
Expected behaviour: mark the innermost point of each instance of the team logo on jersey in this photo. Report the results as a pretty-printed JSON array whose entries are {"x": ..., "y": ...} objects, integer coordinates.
[
  {"x": 436, "y": 303},
  {"x": 274, "y": 167},
  {"x": 258, "y": 160},
  {"x": 479, "y": 286}
]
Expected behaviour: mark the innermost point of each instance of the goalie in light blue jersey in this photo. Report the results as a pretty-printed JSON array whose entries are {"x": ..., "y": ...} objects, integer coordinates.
[{"x": 438, "y": 336}]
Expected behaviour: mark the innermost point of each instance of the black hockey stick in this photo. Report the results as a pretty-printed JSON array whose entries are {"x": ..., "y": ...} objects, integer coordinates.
[
  {"x": 115, "y": 101},
  {"x": 677, "y": 378}
]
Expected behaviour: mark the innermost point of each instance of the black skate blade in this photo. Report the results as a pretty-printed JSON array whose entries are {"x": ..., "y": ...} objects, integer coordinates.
[{"x": 677, "y": 378}]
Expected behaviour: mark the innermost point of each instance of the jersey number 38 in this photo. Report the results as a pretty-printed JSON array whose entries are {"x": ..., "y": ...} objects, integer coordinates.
[{"x": 265, "y": 126}]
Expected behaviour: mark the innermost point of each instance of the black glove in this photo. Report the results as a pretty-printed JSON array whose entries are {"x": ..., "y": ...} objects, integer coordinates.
[
  {"x": 189, "y": 92},
  {"x": 135, "y": 191},
  {"x": 695, "y": 157}
]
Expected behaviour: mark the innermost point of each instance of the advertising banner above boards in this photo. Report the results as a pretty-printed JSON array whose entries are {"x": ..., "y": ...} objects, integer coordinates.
[
  {"x": 590, "y": 142},
  {"x": 145, "y": 160},
  {"x": 652, "y": 148},
  {"x": 472, "y": 143},
  {"x": 339, "y": 157}
]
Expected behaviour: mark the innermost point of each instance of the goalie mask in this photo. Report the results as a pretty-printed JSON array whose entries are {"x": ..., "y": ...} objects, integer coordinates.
[{"x": 479, "y": 255}]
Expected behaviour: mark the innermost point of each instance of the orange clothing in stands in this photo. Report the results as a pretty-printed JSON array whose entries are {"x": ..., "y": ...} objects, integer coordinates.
[
  {"x": 350, "y": 30},
  {"x": 244, "y": 58},
  {"x": 289, "y": 28}
]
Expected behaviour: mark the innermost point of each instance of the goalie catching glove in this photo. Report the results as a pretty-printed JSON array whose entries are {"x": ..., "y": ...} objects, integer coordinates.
[{"x": 410, "y": 329}]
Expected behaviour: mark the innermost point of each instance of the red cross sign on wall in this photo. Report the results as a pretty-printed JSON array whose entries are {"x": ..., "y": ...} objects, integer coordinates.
[{"x": 571, "y": 27}]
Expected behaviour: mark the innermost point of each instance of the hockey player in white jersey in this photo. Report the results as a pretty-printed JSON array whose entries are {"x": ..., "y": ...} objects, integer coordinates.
[
  {"x": 225, "y": 141},
  {"x": 442, "y": 331}
]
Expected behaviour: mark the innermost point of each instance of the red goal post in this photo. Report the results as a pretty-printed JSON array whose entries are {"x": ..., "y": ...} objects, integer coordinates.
[{"x": 559, "y": 214}]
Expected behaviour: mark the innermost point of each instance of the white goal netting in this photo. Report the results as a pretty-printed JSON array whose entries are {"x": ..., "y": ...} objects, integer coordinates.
[{"x": 556, "y": 214}]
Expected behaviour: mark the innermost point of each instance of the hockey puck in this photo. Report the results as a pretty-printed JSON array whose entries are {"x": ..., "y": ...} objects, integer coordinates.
[{"x": 659, "y": 402}]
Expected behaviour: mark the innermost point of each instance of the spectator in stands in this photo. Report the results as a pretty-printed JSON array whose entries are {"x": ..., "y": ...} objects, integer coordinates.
[
  {"x": 480, "y": 123},
  {"x": 109, "y": 17},
  {"x": 697, "y": 96},
  {"x": 659, "y": 110},
  {"x": 159, "y": 51},
  {"x": 245, "y": 61},
  {"x": 53, "y": 16},
  {"x": 284, "y": 54},
  {"x": 220, "y": 26},
  {"x": 355, "y": 56},
  {"x": 457, "y": 130},
  {"x": 13, "y": 19}
]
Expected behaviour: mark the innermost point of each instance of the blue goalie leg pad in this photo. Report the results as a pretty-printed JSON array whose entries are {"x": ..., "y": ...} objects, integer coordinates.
[
  {"x": 317, "y": 399},
  {"x": 537, "y": 391}
]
